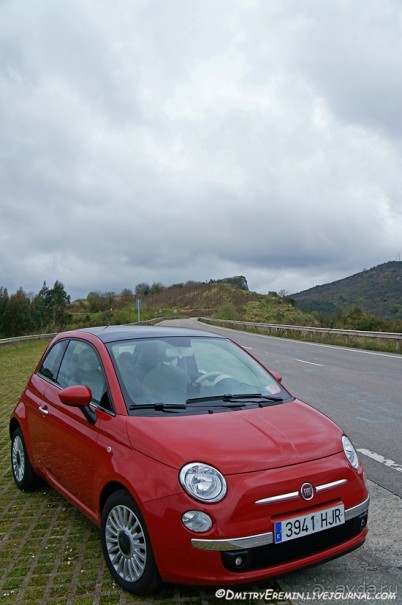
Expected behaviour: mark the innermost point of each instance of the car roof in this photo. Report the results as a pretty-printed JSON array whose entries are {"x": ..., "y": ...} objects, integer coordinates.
[{"x": 126, "y": 332}]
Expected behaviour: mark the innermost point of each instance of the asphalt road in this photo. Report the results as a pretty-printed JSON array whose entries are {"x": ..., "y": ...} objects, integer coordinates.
[{"x": 362, "y": 392}]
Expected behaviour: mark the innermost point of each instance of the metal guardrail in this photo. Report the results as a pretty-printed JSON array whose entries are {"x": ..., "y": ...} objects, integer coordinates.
[
  {"x": 16, "y": 339},
  {"x": 313, "y": 330},
  {"x": 275, "y": 328}
]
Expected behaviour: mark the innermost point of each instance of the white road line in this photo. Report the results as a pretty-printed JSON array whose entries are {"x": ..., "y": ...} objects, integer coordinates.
[
  {"x": 379, "y": 458},
  {"x": 309, "y": 362}
]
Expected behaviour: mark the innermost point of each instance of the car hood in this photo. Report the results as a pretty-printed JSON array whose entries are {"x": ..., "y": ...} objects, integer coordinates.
[{"x": 238, "y": 441}]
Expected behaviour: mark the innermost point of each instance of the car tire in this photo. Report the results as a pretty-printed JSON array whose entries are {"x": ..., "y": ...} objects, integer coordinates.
[
  {"x": 126, "y": 545},
  {"x": 24, "y": 476}
]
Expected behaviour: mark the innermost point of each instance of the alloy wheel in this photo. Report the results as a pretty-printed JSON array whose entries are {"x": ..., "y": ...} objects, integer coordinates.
[
  {"x": 18, "y": 459},
  {"x": 125, "y": 543}
]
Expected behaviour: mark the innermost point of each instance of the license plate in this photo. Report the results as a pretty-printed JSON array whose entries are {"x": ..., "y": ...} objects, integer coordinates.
[{"x": 304, "y": 525}]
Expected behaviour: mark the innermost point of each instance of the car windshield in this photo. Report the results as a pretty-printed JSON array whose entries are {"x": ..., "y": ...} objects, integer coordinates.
[{"x": 191, "y": 374}]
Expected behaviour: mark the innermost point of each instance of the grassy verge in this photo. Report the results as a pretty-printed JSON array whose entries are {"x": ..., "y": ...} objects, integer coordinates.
[{"x": 50, "y": 554}]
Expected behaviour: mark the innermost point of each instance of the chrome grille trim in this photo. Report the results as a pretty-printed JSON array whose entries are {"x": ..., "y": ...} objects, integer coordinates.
[
  {"x": 293, "y": 495},
  {"x": 326, "y": 486},
  {"x": 279, "y": 498},
  {"x": 234, "y": 543}
]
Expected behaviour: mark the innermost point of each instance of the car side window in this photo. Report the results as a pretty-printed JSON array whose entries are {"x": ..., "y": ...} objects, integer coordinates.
[
  {"x": 50, "y": 365},
  {"x": 81, "y": 365},
  {"x": 69, "y": 374}
]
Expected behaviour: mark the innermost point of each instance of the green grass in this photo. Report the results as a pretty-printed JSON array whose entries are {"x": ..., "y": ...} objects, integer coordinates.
[{"x": 50, "y": 554}]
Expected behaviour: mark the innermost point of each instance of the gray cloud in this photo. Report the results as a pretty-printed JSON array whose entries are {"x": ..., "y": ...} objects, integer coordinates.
[{"x": 167, "y": 141}]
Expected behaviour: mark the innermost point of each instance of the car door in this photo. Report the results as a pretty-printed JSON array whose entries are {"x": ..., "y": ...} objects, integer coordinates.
[
  {"x": 36, "y": 406},
  {"x": 70, "y": 440}
]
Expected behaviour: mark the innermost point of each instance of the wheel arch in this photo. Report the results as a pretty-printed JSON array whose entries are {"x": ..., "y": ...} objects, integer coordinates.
[
  {"x": 20, "y": 422},
  {"x": 109, "y": 489},
  {"x": 13, "y": 425}
]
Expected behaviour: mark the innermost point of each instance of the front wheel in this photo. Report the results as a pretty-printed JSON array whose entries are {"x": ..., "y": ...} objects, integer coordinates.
[
  {"x": 23, "y": 473},
  {"x": 126, "y": 545}
]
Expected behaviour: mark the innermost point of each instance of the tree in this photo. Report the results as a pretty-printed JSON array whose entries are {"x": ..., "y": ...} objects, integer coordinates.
[
  {"x": 156, "y": 288},
  {"x": 94, "y": 300},
  {"x": 3, "y": 305},
  {"x": 142, "y": 289},
  {"x": 40, "y": 310},
  {"x": 101, "y": 301},
  {"x": 127, "y": 296},
  {"x": 356, "y": 319},
  {"x": 56, "y": 304},
  {"x": 17, "y": 315}
]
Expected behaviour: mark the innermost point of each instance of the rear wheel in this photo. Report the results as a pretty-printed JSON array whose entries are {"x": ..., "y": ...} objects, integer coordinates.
[
  {"x": 23, "y": 473},
  {"x": 126, "y": 545}
]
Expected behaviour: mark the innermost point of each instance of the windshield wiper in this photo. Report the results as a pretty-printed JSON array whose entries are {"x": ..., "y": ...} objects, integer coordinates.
[
  {"x": 252, "y": 396},
  {"x": 237, "y": 399},
  {"x": 162, "y": 407},
  {"x": 205, "y": 398}
]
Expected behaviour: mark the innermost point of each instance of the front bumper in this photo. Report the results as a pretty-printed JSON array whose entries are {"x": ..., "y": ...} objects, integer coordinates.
[
  {"x": 233, "y": 544},
  {"x": 247, "y": 515}
]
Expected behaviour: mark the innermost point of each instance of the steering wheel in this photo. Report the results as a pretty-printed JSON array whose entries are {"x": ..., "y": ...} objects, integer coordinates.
[{"x": 210, "y": 379}]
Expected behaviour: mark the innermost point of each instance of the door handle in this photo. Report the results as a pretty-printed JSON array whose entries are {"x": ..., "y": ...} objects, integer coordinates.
[{"x": 43, "y": 411}]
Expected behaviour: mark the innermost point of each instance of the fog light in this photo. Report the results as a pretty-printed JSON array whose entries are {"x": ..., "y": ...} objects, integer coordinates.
[
  {"x": 237, "y": 561},
  {"x": 195, "y": 520}
]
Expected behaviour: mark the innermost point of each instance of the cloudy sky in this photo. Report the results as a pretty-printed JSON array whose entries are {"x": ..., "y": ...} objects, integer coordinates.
[{"x": 174, "y": 140}]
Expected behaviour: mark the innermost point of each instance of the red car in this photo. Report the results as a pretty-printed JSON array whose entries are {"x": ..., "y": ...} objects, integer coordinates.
[{"x": 195, "y": 462}]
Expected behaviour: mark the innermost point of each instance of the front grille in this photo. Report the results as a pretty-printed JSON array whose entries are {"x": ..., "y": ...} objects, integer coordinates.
[{"x": 275, "y": 554}]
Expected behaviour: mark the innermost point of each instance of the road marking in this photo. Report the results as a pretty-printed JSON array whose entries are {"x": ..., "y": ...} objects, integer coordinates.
[
  {"x": 382, "y": 421},
  {"x": 378, "y": 458},
  {"x": 309, "y": 362}
]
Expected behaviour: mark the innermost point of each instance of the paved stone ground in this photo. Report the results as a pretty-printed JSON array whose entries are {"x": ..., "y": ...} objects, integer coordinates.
[{"x": 50, "y": 554}]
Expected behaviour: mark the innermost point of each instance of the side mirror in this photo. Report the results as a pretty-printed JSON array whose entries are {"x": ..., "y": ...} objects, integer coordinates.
[{"x": 79, "y": 396}]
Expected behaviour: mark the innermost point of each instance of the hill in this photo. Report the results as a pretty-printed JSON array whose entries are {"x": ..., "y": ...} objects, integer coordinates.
[
  {"x": 377, "y": 291},
  {"x": 228, "y": 298}
]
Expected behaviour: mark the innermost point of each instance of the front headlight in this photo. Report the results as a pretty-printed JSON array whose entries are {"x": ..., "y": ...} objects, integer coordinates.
[
  {"x": 203, "y": 482},
  {"x": 350, "y": 452}
]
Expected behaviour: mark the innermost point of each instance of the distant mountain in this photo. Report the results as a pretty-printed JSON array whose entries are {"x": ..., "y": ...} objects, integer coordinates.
[{"x": 377, "y": 291}]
